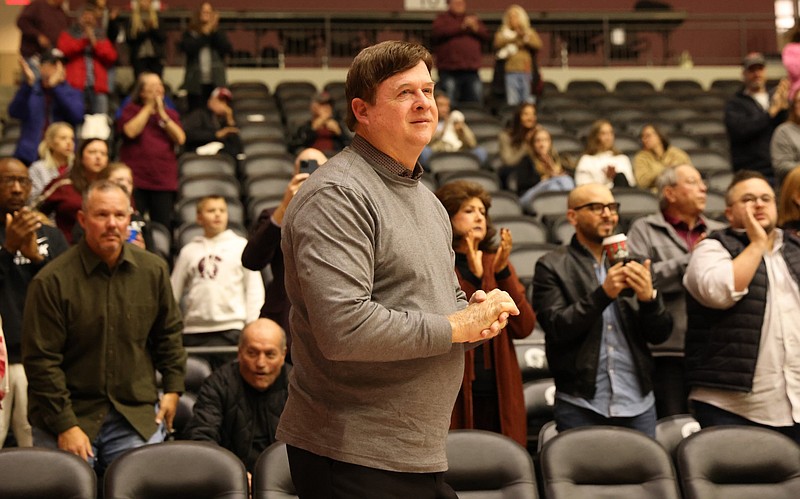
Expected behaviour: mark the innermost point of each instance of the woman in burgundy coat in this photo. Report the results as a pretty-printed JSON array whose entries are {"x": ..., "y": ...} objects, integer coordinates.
[{"x": 491, "y": 395}]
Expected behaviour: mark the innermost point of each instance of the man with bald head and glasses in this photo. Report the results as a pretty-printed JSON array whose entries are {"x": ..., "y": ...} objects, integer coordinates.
[
  {"x": 743, "y": 335},
  {"x": 26, "y": 245},
  {"x": 598, "y": 319}
]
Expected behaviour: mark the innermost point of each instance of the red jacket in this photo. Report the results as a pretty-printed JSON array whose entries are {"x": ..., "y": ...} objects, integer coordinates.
[
  {"x": 103, "y": 57},
  {"x": 511, "y": 401}
]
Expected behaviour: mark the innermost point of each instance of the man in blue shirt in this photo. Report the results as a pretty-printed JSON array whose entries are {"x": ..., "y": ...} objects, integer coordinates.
[{"x": 597, "y": 319}]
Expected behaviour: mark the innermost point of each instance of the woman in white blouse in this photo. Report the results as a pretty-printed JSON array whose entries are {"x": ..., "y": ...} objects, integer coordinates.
[{"x": 601, "y": 162}]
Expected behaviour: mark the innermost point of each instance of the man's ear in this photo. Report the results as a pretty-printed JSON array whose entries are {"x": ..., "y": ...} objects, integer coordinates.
[
  {"x": 360, "y": 110},
  {"x": 82, "y": 219}
]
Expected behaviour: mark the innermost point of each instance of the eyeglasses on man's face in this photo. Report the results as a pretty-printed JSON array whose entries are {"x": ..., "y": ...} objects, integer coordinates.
[
  {"x": 9, "y": 180},
  {"x": 752, "y": 198},
  {"x": 599, "y": 208}
]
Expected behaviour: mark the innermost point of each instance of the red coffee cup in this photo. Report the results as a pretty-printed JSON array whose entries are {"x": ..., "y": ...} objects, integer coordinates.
[{"x": 616, "y": 248}]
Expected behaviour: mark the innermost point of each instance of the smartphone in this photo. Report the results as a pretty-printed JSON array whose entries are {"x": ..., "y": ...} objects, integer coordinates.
[{"x": 308, "y": 166}]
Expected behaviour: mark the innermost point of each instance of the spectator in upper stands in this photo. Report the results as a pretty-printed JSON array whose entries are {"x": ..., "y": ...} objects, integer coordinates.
[
  {"x": 146, "y": 39},
  {"x": 656, "y": 155},
  {"x": 517, "y": 43},
  {"x": 457, "y": 38},
  {"x": 742, "y": 335},
  {"x": 784, "y": 146},
  {"x": 40, "y": 102},
  {"x": 63, "y": 196},
  {"x": 789, "y": 208},
  {"x": 99, "y": 321},
  {"x": 56, "y": 153},
  {"x": 324, "y": 131},
  {"x": 218, "y": 296},
  {"x": 27, "y": 246},
  {"x": 41, "y": 23},
  {"x": 452, "y": 134},
  {"x": 240, "y": 404},
  {"x": 514, "y": 140},
  {"x": 150, "y": 131},
  {"x": 543, "y": 170},
  {"x": 213, "y": 123},
  {"x": 601, "y": 162},
  {"x": 205, "y": 46},
  {"x": 264, "y": 246},
  {"x": 597, "y": 318},
  {"x": 89, "y": 55},
  {"x": 491, "y": 394},
  {"x": 667, "y": 238},
  {"x": 752, "y": 115}
]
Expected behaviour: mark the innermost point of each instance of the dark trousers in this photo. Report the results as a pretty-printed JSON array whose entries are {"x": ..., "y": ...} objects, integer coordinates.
[
  {"x": 160, "y": 205},
  {"x": 708, "y": 415},
  {"x": 669, "y": 387},
  {"x": 318, "y": 477},
  {"x": 569, "y": 416}
]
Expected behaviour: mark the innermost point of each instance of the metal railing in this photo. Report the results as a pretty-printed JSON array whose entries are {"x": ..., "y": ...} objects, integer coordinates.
[{"x": 269, "y": 39}]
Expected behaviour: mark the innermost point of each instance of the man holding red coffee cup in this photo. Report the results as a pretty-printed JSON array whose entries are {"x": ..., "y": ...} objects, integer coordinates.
[{"x": 598, "y": 308}]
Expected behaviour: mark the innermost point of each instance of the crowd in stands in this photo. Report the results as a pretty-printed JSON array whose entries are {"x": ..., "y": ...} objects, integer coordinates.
[{"x": 184, "y": 179}]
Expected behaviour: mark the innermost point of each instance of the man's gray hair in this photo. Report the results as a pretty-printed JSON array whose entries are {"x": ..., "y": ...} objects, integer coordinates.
[
  {"x": 667, "y": 178},
  {"x": 103, "y": 186}
]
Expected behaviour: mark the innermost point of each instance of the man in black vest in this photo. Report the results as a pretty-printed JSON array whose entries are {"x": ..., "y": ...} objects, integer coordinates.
[{"x": 743, "y": 336}]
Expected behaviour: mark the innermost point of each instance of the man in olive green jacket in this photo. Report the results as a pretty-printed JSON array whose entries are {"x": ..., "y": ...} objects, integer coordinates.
[{"x": 99, "y": 320}]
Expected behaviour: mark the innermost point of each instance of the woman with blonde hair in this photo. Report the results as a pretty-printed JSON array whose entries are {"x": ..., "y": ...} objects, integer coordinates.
[
  {"x": 146, "y": 39},
  {"x": 789, "y": 207},
  {"x": 601, "y": 162},
  {"x": 517, "y": 43},
  {"x": 56, "y": 153}
]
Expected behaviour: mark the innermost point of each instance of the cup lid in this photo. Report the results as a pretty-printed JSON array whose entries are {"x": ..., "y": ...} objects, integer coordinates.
[{"x": 616, "y": 238}]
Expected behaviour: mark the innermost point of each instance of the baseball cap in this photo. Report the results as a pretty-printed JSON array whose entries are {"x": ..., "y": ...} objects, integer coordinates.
[
  {"x": 222, "y": 93},
  {"x": 753, "y": 59},
  {"x": 52, "y": 55}
]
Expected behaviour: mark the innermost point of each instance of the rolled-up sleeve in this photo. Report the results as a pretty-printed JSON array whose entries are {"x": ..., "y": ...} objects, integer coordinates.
[{"x": 709, "y": 276}]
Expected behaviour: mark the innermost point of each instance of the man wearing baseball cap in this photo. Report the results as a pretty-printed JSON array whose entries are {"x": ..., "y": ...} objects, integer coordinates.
[
  {"x": 752, "y": 115},
  {"x": 213, "y": 123},
  {"x": 40, "y": 102}
]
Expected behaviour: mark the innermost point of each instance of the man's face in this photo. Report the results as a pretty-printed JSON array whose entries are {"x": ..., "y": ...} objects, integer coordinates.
[
  {"x": 755, "y": 78},
  {"x": 308, "y": 154},
  {"x": 404, "y": 115},
  {"x": 15, "y": 186},
  {"x": 105, "y": 222},
  {"x": 754, "y": 196},
  {"x": 591, "y": 226},
  {"x": 261, "y": 356},
  {"x": 457, "y": 6},
  {"x": 688, "y": 195},
  {"x": 213, "y": 216}
]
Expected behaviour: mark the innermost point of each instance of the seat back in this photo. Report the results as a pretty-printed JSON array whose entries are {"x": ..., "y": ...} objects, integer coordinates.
[
  {"x": 179, "y": 469},
  {"x": 607, "y": 461},
  {"x": 37, "y": 472},
  {"x": 524, "y": 229},
  {"x": 271, "y": 476},
  {"x": 486, "y": 465},
  {"x": 737, "y": 462}
]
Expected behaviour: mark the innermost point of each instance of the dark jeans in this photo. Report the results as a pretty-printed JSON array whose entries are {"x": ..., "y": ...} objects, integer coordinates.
[
  {"x": 461, "y": 86},
  {"x": 708, "y": 415},
  {"x": 569, "y": 416},
  {"x": 318, "y": 477},
  {"x": 214, "y": 339},
  {"x": 160, "y": 205}
]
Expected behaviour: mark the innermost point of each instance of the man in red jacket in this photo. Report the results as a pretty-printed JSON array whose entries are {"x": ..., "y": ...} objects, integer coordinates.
[{"x": 89, "y": 56}]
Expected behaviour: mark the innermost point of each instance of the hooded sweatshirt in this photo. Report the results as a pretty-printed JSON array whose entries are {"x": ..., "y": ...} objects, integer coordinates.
[{"x": 215, "y": 292}]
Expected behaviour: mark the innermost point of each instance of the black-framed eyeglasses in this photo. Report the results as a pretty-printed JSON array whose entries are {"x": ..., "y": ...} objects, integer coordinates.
[
  {"x": 599, "y": 208},
  {"x": 9, "y": 180}
]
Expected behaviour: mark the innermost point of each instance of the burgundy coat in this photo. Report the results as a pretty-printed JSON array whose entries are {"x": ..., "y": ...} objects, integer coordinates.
[{"x": 513, "y": 417}]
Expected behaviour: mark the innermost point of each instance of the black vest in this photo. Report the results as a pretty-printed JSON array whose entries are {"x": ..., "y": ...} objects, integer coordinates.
[{"x": 722, "y": 345}]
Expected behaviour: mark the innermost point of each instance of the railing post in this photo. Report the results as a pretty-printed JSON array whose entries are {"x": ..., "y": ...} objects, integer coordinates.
[
  {"x": 328, "y": 42},
  {"x": 606, "y": 41}
]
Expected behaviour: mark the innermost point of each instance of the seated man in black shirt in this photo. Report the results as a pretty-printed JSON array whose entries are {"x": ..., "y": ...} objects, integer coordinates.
[{"x": 239, "y": 405}]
